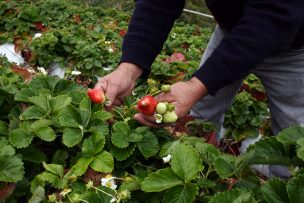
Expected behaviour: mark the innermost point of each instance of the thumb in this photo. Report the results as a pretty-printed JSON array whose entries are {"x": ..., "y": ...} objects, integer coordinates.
[
  {"x": 102, "y": 84},
  {"x": 111, "y": 94}
]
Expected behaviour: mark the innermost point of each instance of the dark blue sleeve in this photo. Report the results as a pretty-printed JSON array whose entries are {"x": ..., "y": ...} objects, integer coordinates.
[
  {"x": 266, "y": 27},
  {"x": 150, "y": 25}
]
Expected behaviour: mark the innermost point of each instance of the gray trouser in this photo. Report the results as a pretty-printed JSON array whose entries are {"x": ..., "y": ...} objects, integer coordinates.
[{"x": 282, "y": 76}]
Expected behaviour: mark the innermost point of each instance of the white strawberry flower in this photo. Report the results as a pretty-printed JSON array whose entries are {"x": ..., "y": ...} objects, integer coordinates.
[
  {"x": 113, "y": 200},
  {"x": 109, "y": 181},
  {"x": 167, "y": 159},
  {"x": 42, "y": 70}
]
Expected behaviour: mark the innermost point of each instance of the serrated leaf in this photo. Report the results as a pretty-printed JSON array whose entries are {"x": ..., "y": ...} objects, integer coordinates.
[
  {"x": 269, "y": 151},
  {"x": 134, "y": 137},
  {"x": 81, "y": 165},
  {"x": 33, "y": 112},
  {"x": 76, "y": 96},
  {"x": 43, "y": 82},
  {"x": 42, "y": 101},
  {"x": 55, "y": 180},
  {"x": 300, "y": 153},
  {"x": 20, "y": 138},
  {"x": 5, "y": 148},
  {"x": 85, "y": 117},
  {"x": 11, "y": 169},
  {"x": 42, "y": 123},
  {"x": 120, "y": 134},
  {"x": 207, "y": 152},
  {"x": 122, "y": 154},
  {"x": 235, "y": 195},
  {"x": 186, "y": 162},
  {"x": 70, "y": 117},
  {"x": 46, "y": 134},
  {"x": 148, "y": 145},
  {"x": 181, "y": 194},
  {"x": 291, "y": 135},
  {"x": 93, "y": 145},
  {"x": 32, "y": 154},
  {"x": 38, "y": 195},
  {"x": 225, "y": 167},
  {"x": 24, "y": 94},
  {"x": 168, "y": 148},
  {"x": 274, "y": 191},
  {"x": 160, "y": 180},
  {"x": 60, "y": 102},
  {"x": 54, "y": 168},
  {"x": 103, "y": 162},
  {"x": 71, "y": 136},
  {"x": 295, "y": 189},
  {"x": 3, "y": 128},
  {"x": 204, "y": 182},
  {"x": 101, "y": 115}
]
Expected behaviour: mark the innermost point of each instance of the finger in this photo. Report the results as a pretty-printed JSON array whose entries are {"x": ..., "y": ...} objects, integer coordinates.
[
  {"x": 102, "y": 84},
  {"x": 140, "y": 118},
  {"x": 111, "y": 94},
  {"x": 165, "y": 97}
]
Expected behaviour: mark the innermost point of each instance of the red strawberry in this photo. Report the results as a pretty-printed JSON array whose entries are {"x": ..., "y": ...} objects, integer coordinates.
[
  {"x": 122, "y": 33},
  {"x": 96, "y": 95},
  {"x": 147, "y": 105}
]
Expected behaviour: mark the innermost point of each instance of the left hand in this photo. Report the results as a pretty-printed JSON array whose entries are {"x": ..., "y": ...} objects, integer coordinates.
[{"x": 183, "y": 95}]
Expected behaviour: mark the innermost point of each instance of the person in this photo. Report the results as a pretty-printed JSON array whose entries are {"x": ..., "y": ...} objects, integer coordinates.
[{"x": 264, "y": 37}]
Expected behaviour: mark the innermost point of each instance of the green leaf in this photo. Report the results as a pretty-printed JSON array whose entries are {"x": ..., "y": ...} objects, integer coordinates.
[
  {"x": 235, "y": 195},
  {"x": 71, "y": 136},
  {"x": 20, "y": 138},
  {"x": 32, "y": 154},
  {"x": 103, "y": 162},
  {"x": 42, "y": 101},
  {"x": 204, "y": 182},
  {"x": 168, "y": 148},
  {"x": 93, "y": 145},
  {"x": 69, "y": 117},
  {"x": 295, "y": 189},
  {"x": 161, "y": 180},
  {"x": 54, "y": 168},
  {"x": 38, "y": 195},
  {"x": 148, "y": 145},
  {"x": 134, "y": 137},
  {"x": 300, "y": 153},
  {"x": 207, "y": 152},
  {"x": 3, "y": 128},
  {"x": 60, "y": 102},
  {"x": 186, "y": 162},
  {"x": 291, "y": 135},
  {"x": 181, "y": 194},
  {"x": 81, "y": 165},
  {"x": 33, "y": 112},
  {"x": 24, "y": 94},
  {"x": 120, "y": 134},
  {"x": 269, "y": 151},
  {"x": 46, "y": 134},
  {"x": 42, "y": 123},
  {"x": 11, "y": 169},
  {"x": 101, "y": 115},
  {"x": 122, "y": 153},
  {"x": 55, "y": 180},
  {"x": 225, "y": 167},
  {"x": 274, "y": 191},
  {"x": 5, "y": 148}
]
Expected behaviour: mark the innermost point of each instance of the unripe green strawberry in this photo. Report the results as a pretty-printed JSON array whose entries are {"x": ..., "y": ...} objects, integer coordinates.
[
  {"x": 165, "y": 88},
  {"x": 161, "y": 108},
  {"x": 170, "y": 117},
  {"x": 170, "y": 107}
]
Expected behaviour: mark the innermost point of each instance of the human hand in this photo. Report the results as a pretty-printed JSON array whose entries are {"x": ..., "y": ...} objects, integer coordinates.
[
  {"x": 183, "y": 95},
  {"x": 119, "y": 83}
]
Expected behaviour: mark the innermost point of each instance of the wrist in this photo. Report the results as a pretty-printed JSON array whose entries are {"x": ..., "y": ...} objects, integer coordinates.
[
  {"x": 198, "y": 87},
  {"x": 131, "y": 69}
]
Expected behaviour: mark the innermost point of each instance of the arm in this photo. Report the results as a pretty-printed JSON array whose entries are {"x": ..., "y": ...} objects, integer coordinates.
[
  {"x": 266, "y": 27},
  {"x": 150, "y": 25}
]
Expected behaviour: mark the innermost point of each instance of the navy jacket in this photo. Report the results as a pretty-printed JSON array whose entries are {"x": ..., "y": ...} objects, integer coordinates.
[{"x": 256, "y": 29}]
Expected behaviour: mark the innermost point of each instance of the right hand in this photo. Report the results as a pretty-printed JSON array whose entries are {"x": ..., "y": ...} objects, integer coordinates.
[{"x": 119, "y": 83}]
